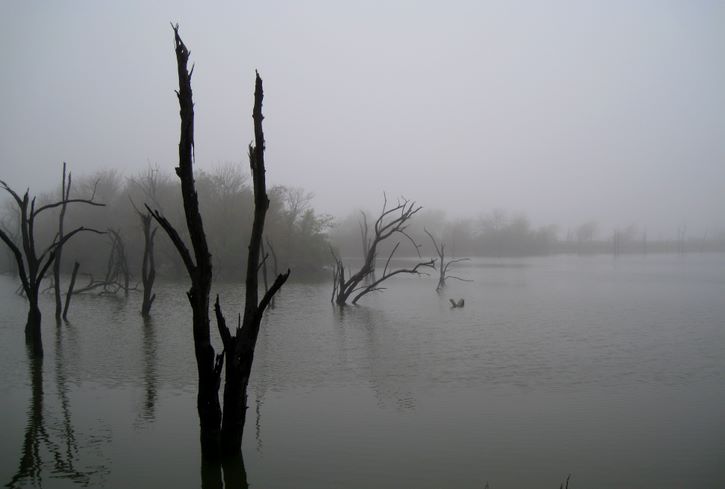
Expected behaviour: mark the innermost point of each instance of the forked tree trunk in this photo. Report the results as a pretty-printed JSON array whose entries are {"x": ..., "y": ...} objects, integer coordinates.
[{"x": 219, "y": 437}]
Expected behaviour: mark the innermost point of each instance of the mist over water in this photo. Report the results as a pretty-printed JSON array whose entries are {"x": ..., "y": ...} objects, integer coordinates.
[
  {"x": 567, "y": 112},
  {"x": 609, "y": 369},
  {"x": 564, "y": 160}
]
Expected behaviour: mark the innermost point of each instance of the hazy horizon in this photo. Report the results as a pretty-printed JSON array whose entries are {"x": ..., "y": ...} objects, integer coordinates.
[{"x": 567, "y": 112}]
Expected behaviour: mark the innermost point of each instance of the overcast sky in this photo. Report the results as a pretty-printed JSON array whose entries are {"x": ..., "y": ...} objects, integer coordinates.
[{"x": 567, "y": 111}]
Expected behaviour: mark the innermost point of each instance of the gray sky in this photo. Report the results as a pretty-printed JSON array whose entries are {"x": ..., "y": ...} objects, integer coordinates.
[{"x": 568, "y": 111}]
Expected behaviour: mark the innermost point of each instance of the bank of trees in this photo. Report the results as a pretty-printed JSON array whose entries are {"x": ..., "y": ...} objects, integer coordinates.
[{"x": 295, "y": 230}]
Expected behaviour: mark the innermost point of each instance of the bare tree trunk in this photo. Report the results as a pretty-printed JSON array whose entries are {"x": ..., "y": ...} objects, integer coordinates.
[
  {"x": 240, "y": 347},
  {"x": 148, "y": 266},
  {"x": 64, "y": 194},
  {"x": 199, "y": 268},
  {"x": 32, "y": 326},
  {"x": 220, "y": 435},
  {"x": 73, "y": 276},
  {"x": 444, "y": 265}
]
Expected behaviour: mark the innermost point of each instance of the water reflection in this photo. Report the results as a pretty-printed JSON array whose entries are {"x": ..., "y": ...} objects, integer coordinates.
[
  {"x": 228, "y": 473},
  {"x": 150, "y": 370},
  {"x": 46, "y": 446},
  {"x": 381, "y": 356},
  {"x": 30, "y": 459}
]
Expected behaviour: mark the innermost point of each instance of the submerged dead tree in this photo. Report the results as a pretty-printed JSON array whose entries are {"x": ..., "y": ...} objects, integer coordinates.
[
  {"x": 239, "y": 348},
  {"x": 117, "y": 276},
  {"x": 148, "y": 265},
  {"x": 221, "y": 433},
  {"x": 391, "y": 221},
  {"x": 32, "y": 266},
  {"x": 444, "y": 265},
  {"x": 64, "y": 195}
]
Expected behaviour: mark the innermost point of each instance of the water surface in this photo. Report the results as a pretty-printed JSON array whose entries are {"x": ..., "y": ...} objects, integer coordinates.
[{"x": 610, "y": 369}]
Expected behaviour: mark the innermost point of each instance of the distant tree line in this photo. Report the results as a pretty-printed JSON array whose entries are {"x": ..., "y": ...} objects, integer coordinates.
[
  {"x": 499, "y": 233},
  {"x": 299, "y": 237},
  {"x": 295, "y": 234}
]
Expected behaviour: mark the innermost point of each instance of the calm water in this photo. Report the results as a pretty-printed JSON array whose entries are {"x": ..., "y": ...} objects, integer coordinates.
[{"x": 612, "y": 370}]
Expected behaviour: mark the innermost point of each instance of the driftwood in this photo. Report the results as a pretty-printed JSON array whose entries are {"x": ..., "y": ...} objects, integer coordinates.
[{"x": 459, "y": 303}]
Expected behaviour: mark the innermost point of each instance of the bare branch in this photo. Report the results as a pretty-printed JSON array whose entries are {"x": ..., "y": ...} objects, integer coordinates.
[
  {"x": 222, "y": 326},
  {"x": 63, "y": 202},
  {"x": 55, "y": 246},
  {"x": 414, "y": 270},
  {"x": 175, "y": 239},
  {"x": 278, "y": 283},
  {"x": 18, "y": 258},
  {"x": 17, "y": 198}
]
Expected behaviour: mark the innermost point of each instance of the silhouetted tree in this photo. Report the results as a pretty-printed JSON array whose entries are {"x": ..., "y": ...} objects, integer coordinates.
[
  {"x": 64, "y": 195},
  {"x": 32, "y": 266},
  {"x": 148, "y": 184},
  {"x": 148, "y": 265},
  {"x": 221, "y": 433},
  {"x": 71, "y": 286},
  {"x": 444, "y": 265},
  {"x": 391, "y": 221}
]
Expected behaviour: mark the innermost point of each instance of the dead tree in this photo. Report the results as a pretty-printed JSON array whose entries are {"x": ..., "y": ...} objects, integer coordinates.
[
  {"x": 117, "y": 276},
  {"x": 391, "y": 221},
  {"x": 117, "y": 272},
  {"x": 71, "y": 286},
  {"x": 64, "y": 195},
  {"x": 444, "y": 265},
  {"x": 199, "y": 268},
  {"x": 148, "y": 265},
  {"x": 32, "y": 266},
  {"x": 240, "y": 347},
  {"x": 263, "y": 266},
  {"x": 219, "y": 434}
]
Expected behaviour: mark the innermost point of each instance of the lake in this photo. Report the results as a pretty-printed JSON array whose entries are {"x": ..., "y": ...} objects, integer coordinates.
[{"x": 609, "y": 369}]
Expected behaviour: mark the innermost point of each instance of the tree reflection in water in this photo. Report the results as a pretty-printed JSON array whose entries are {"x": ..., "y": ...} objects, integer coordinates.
[
  {"x": 57, "y": 444},
  {"x": 229, "y": 473},
  {"x": 150, "y": 373}
]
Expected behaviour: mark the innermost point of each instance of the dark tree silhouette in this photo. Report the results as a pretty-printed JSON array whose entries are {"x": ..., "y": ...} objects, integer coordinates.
[
  {"x": 221, "y": 433},
  {"x": 391, "y": 221},
  {"x": 148, "y": 265},
  {"x": 32, "y": 266},
  {"x": 64, "y": 195},
  {"x": 148, "y": 262},
  {"x": 444, "y": 265},
  {"x": 117, "y": 276},
  {"x": 71, "y": 286}
]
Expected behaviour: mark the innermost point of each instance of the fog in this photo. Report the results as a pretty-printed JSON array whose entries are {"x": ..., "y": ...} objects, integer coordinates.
[{"x": 566, "y": 111}]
